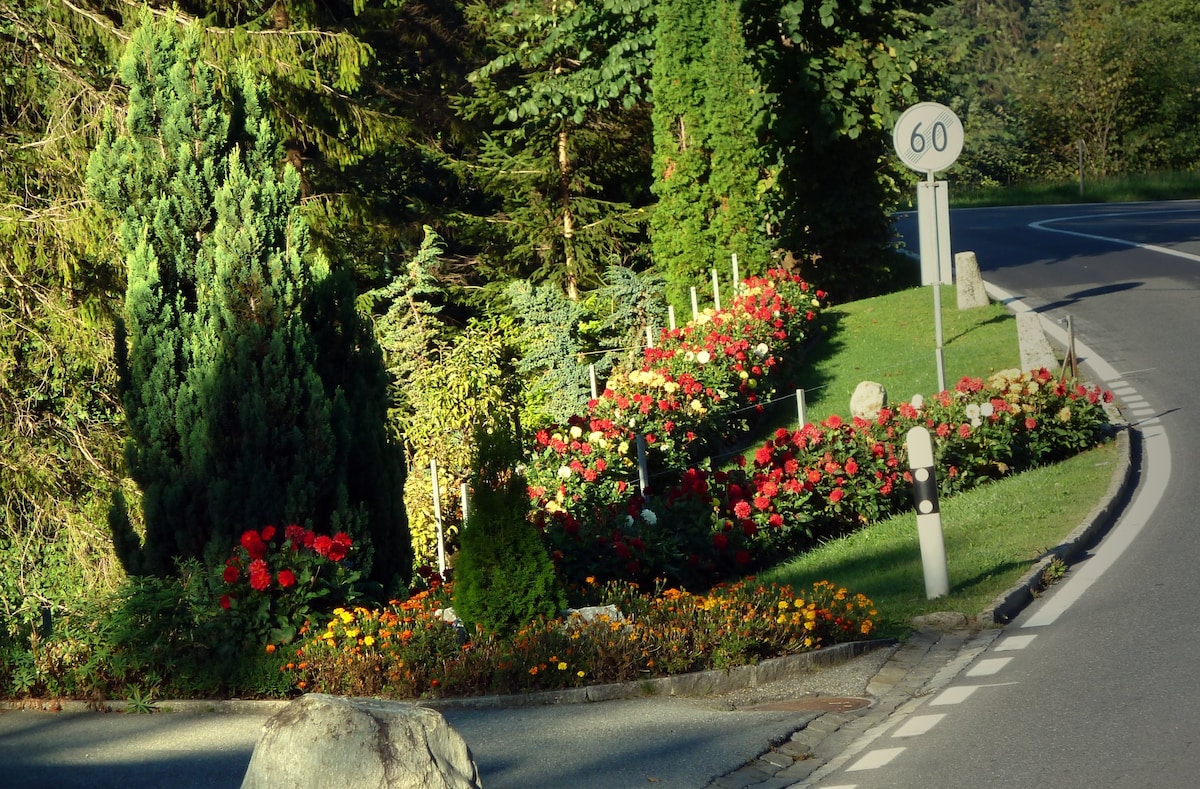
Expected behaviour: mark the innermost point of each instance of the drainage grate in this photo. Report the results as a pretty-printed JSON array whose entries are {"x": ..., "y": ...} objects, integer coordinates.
[{"x": 813, "y": 704}]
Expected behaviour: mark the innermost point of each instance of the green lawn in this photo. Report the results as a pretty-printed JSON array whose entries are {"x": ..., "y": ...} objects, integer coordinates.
[{"x": 891, "y": 340}]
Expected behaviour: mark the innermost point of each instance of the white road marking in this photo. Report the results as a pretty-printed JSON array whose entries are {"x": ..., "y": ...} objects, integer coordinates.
[
  {"x": 875, "y": 759},
  {"x": 1013, "y": 642},
  {"x": 1123, "y": 242},
  {"x": 918, "y": 725},
  {"x": 989, "y": 667},
  {"x": 954, "y": 695}
]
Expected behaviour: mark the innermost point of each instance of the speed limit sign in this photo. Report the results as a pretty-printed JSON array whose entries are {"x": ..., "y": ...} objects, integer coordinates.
[{"x": 928, "y": 137}]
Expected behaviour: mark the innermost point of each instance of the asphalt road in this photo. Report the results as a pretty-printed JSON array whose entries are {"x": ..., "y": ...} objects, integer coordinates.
[
  {"x": 1095, "y": 685},
  {"x": 656, "y": 741}
]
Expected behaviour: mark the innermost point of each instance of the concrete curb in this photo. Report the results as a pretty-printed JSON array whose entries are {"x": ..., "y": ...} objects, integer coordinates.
[
  {"x": 700, "y": 683},
  {"x": 695, "y": 684}
]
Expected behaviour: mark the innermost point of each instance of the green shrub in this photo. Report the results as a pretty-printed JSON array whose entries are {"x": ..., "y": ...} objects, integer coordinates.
[{"x": 504, "y": 576}]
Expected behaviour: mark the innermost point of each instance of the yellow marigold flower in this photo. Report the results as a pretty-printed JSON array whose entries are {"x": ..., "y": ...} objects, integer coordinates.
[
  {"x": 562, "y": 666},
  {"x": 579, "y": 674},
  {"x": 368, "y": 640},
  {"x": 353, "y": 632},
  {"x": 783, "y": 605}
]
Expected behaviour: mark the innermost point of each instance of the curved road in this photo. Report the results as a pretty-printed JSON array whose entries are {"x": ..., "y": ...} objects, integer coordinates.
[{"x": 1096, "y": 684}]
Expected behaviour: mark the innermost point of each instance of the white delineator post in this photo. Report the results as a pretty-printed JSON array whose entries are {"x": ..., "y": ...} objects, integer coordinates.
[{"x": 929, "y": 516}]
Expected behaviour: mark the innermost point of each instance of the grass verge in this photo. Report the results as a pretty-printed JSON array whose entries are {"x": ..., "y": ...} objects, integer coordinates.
[
  {"x": 993, "y": 535},
  {"x": 1116, "y": 189}
]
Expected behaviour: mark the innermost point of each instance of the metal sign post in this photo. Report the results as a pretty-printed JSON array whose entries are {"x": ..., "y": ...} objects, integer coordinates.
[{"x": 928, "y": 138}]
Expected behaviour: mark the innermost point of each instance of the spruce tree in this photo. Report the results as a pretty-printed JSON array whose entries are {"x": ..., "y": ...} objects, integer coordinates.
[{"x": 231, "y": 425}]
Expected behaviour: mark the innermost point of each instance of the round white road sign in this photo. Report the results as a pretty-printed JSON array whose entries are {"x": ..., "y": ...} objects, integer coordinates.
[{"x": 928, "y": 137}]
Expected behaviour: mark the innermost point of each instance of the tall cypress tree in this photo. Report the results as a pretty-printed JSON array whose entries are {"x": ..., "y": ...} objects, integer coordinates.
[
  {"x": 231, "y": 424},
  {"x": 709, "y": 171}
]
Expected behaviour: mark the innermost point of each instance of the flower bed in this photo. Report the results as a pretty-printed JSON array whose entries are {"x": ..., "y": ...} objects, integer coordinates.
[
  {"x": 408, "y": 650},
  {"x": 822, "y": 480}
]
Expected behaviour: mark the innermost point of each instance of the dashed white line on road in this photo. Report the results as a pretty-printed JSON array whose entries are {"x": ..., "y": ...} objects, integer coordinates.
[
  {"x": 953, "y": 695},
  {"x": 986, "y": 668},
  {"x": 1013, "y": 642},
  {"x": 918, "y": 725},
  {"x": 875, "y": 759}
]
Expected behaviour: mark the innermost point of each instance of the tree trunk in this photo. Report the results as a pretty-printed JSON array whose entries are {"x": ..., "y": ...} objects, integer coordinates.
[{"x": 568, "y": 219}]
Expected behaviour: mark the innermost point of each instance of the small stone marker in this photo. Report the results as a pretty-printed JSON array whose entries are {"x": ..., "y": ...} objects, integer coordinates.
[
  {"x": 320, "y": 740},
  {"x": 868, "y": 399},
  {"x": 971, "y": 293},
  {"x": 1035, "y": 348}
]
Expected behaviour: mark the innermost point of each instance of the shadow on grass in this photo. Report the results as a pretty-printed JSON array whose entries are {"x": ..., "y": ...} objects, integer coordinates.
[
  {"x": 998, "y": 319},
  {"x": 808, "y": 371},
  {"x": 801, "y": 370}
]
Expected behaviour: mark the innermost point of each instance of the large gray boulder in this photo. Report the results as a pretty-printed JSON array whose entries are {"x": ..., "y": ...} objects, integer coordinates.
[{"x": 319, "y": 741}]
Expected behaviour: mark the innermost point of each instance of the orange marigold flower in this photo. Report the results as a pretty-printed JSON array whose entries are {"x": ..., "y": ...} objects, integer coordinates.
[{"x": 270, "y": 649}]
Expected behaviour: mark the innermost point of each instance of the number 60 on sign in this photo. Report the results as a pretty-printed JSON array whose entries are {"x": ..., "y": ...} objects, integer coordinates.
[{"x": 928, "y": 137}]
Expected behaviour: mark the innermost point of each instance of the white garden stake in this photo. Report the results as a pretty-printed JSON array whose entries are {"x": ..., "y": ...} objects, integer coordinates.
[
  {"x": 800, "y": 410},
  {"x": 716, "y": 291},
  {"x": 437, "y": 518},
  {"x": 695, "y": 305},
  {"x": 595, "y": 385},
  {"x": 929, "y": 516},
  {"x": 643, "y": 469},
  {"x": 737, "y": 281}
]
